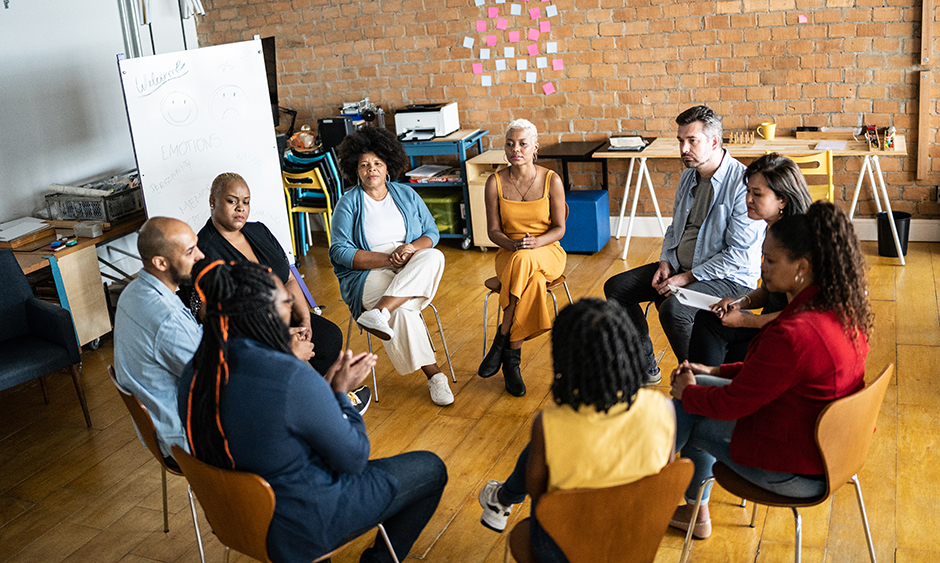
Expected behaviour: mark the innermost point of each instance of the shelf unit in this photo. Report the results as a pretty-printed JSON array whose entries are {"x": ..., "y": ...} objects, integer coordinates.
[
  {"x": 479, "y": 168},
  {"x": 456, "y": 144}
]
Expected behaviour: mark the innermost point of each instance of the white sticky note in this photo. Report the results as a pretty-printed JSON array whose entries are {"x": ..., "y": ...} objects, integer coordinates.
[
  {"x": 479, "y": 2},
  {"x": 551, "y": 11},
  {"x": 515, "y": 10},
  {"x": 468, "y": 42},
  {"x": 521, "y": 64},
  {"x": 541, "y": 62},
  {"x": 530, "y": 77},
  {"x": 509, "y": 52},
  {"x": 487, "y": 80},
  {"x": 484, "y": 53},
  {"x": 500, "y": 64},
  {"x": 551, "y": 47},
  {"x": 500, "y": 1}
]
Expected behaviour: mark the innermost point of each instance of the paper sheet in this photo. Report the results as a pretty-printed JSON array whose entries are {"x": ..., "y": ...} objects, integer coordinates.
[
  {"x": 830, "y": 145},
  {"x": 694, "y": 299}
]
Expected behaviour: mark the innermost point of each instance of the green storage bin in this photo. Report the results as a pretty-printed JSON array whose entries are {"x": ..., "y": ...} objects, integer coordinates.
[{"x": 445, "y": 206}]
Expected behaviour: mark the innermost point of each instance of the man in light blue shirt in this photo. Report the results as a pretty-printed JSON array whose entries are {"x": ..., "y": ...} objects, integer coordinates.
[
  {"x": 155, "y": 335},
  {"x": 710, "y": 247}
]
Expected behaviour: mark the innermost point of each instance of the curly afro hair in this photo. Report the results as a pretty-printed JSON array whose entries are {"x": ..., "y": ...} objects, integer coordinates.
[{"x": 376, "y": 140}]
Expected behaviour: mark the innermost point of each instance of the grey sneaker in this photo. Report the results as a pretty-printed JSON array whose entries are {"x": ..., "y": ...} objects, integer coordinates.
[
  {"x": 495, "y": 514},
  {"x": 360, "y": 398},
  {"x": 376, "y": 322},
  {"x": 440, "y": 390},
  {"x": 654, "y": 378}
]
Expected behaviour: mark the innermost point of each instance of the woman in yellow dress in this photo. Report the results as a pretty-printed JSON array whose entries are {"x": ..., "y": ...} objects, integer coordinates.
[{"x": 525, "y": 217}]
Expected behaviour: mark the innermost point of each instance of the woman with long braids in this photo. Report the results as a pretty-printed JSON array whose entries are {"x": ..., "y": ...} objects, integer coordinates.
[
  {"x": 249, "y": 404},
  {"x": 759, "y": 416},
  {"x": 604, "y": 429},
  {"x": 776, "y": 189}
]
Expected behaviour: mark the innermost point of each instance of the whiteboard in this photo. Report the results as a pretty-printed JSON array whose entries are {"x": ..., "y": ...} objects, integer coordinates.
[{"x": 195, "y": 114}]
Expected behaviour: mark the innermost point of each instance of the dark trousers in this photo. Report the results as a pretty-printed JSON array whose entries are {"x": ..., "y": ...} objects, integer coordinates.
[
  {"x": 421, "y": 480},
  {"x": 514, "y": 491},
  {"x": 713, "y": 343},
  {"x": 636, "y": 286},
  {"x": 327, "y": 343}
]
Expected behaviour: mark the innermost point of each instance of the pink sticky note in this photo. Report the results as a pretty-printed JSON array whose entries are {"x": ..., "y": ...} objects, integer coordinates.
[
  {"x": 545, "y": 26},
  {"x": 513, "y": 36},
  {"x": 490, "y": 40},
  {"x": 548, "y": 88},
  {"x": 534, "y": 13},
  {"x": 533, "y": 35},
  {"x": 481, "y": 25},
  {"x": 803, "y": 18},
  {"x": 533, "y": 50},
  {"x": 501, "y": 23},
  {"x": 492, "y": 13},
  {"x": 477, "y": 68},
  {"x": 558, "y": 64}
]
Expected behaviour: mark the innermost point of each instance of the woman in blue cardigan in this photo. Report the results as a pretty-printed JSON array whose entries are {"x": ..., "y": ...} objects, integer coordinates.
[{"x": 383, "y": 254}]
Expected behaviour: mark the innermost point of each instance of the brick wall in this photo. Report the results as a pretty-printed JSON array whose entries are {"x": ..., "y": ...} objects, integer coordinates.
[{"x": 630, "y": 65}]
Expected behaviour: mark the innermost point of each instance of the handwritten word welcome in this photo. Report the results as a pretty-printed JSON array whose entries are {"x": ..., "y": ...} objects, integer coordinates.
[{"x": 148, "y": 84}]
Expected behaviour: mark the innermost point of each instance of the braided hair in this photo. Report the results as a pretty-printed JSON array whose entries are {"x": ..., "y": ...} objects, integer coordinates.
[
  {"x": 825, "y": 236},
  {"x": 598, "y": 358},
  {"x": 238, "y": 299}
]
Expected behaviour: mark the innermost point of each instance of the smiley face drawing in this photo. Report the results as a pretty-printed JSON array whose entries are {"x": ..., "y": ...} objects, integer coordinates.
[
  {"x": 229, "y": 106},
  {"x": 178, "y": 109}
]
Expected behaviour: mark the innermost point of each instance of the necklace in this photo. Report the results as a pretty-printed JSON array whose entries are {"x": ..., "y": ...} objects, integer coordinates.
[{"x": 523, "y": 194}]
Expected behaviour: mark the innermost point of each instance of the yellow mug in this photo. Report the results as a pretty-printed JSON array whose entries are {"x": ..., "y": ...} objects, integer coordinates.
[{"x": 767, "y": 130}]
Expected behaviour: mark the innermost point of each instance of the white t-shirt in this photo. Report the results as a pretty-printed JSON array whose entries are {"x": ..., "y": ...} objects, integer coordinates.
[{"x": 382, "y": 221}]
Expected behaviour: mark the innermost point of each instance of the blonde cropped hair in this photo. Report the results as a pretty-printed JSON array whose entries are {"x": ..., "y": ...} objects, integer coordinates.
[{"x": 525, "y": 125}]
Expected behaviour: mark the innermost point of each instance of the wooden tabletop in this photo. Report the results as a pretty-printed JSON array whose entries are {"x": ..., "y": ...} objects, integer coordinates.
[
  {"x": 664, "y": 147},
  {"x": 36, "y": 259},
  {"x": 570, "y": 149}
]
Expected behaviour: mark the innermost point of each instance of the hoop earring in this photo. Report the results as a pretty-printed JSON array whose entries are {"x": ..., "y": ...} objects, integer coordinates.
[
  {"x": 388, "y": 179},
  {"x": 535, "y": 157}
]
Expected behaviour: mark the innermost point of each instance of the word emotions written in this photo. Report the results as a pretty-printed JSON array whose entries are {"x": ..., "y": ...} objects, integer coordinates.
[{"x": 190, "y": 146}]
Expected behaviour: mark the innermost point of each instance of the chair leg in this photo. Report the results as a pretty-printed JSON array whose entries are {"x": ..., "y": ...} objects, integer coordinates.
[
  {"x": 375, "y": 383},
  {"x": 507, "y": 553},
  {"x": 42, "y": 386},
  {"x": 192, "y": 508},
  {"x": 754, "y": 516},
  {"x": 798, "y": 525},
  {"x": 687, "y": 546},
  {"x": 77, "y": 380},
  {"x": 486, "y": 301},
  {"x": 568, "y": 293},
  {"x": 166, "y": 516},
  {"x": 440, "y": 329},
  {"x": 554, "y": 302},
  {"x": 861, "y": 508},
  {"x": 225, "y": 557},
  {"x": 388, "y": 543}
]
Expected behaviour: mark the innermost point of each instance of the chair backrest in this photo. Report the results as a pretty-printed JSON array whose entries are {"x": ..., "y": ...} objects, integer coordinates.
[
  {"x": 616, "y": 524},
  {"x": 239, "y": 506},
  {"x": 311, "y": 180},
  {"x": 142, "y": 421},
  {"x": 817, "y": 169},
  {"x": 13, "y": 298},
  {"x": 845, "y": 427}
]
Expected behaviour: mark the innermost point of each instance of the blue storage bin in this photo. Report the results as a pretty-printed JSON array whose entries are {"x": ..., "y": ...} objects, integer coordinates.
[{"x": 588, "y": 225}]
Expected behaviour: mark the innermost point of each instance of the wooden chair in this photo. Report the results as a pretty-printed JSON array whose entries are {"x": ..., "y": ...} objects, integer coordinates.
[
  {"x": 494, "y": 286},
  {"x": 611, "y": 525},
  {"x": 817, "y": 169},
  {"x": 843, "y": 433},
  {"x": 239, "y": 507},
  {"x": 148, "y": 434},
  {"x": 312, "y": 180}
]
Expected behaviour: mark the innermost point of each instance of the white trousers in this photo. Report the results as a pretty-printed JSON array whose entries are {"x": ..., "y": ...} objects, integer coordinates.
[{"x": 411, "y": 347}]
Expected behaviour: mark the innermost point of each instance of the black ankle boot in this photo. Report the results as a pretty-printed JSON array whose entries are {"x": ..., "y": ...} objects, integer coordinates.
[
  {"x": 490, "y": 365},
  {"x": 511, "y": 374}
]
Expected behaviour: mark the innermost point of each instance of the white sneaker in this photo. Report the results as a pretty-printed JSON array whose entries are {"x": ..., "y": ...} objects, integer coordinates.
[
  {"x": 376, "y": 322},
  {"x": 495, "y": 514},
  {"x": 440, "y": 390}
]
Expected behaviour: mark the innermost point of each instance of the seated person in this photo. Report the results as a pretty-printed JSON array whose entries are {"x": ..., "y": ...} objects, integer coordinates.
[
  {"x": 758, "y": 417},
  {"x": 775, "y": 189},
  {"x": 383, "y": 254},
  {"x": 273, "y": 415},
  {"x": 155, "y": 335},
  {"x": 604, "y": 429},
  {"x": 228, "y": 235},
  {"x": 711, "y": 246},
  {"x": 525, "y": 217}
]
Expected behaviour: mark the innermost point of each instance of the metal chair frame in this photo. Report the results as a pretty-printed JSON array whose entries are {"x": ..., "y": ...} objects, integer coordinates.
[{"x": 494, "y": 286}]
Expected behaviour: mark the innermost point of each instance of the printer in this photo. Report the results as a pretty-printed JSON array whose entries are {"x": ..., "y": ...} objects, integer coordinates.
[{"x": 426, "y": 121}]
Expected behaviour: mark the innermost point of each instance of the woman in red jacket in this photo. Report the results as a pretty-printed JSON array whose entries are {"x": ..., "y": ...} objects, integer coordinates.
[{"x": 759, "y": 416}]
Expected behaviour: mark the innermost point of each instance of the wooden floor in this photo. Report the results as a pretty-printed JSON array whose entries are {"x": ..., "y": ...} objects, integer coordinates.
[{"x": 73, "y": 494}]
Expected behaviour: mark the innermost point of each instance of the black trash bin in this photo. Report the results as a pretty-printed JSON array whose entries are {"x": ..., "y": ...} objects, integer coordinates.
[{"x": 886, "y": 246}]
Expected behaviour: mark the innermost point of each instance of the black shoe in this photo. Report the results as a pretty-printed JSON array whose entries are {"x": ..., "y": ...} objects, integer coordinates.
[
  {"x": 360, "y": 399},
  {"x": 511, "y": 374},
  {"x": 494, "y": 358}
]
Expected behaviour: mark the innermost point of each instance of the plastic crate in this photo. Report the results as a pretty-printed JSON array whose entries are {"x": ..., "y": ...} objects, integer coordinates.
[
  {"x": 444, "y": 205},
  {"x": 106, "y": 209}
]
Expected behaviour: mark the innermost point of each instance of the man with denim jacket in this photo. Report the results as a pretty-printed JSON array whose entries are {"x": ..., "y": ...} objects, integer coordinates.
[{"x": 710, "y": 247}]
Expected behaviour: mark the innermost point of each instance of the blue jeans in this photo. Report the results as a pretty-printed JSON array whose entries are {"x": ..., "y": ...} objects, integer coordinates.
[
  {"x": 421, "y": 480},
  {"x": 705, "y": 440},
  {"x": 514, "y": 492}
]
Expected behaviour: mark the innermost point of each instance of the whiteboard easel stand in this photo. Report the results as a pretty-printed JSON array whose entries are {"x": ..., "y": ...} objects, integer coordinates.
[
  {"x": 872, "y": 159},
  {"x": 643, "y": 173}
]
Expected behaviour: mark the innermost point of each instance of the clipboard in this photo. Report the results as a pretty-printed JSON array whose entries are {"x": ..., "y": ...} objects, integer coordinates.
[{"x": 694, "y": 299}]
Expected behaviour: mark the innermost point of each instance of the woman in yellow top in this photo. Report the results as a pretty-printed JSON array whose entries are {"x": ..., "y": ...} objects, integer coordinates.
[
  {"x": 604, "y": 429},
  {"x": 525, "y": 217}
]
